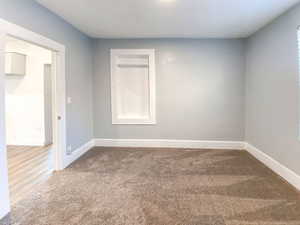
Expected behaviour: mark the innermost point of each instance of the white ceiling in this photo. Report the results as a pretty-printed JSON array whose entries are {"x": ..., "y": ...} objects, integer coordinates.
[{"x": 168, "y": 18}]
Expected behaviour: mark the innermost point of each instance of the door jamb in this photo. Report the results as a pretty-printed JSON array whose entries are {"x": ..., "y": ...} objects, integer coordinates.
[{"x": 59, "y": 82}]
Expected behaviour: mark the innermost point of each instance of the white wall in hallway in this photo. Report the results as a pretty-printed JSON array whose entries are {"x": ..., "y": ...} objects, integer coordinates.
[{"x": 25, "y": 112}]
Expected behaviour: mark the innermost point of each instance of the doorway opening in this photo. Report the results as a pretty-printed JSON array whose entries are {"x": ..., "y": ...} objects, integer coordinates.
[
  {"x": 28, "y": 115},
  {"x": 55, "y": 150}
]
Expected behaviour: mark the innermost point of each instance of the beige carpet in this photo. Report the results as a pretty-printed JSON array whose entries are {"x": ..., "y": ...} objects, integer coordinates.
[{"x": 162, "y": 187}]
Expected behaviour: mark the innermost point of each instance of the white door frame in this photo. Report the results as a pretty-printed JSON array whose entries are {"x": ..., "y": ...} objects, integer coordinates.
[{"x": 59, "y": 106}]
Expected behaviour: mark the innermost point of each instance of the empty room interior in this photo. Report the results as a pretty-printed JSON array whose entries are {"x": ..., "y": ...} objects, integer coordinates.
[{"x": 157, "y": 112}]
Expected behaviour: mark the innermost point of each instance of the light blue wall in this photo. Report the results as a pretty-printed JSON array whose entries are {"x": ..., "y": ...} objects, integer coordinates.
[
  {"x": 79, "y": 65},
  {"x": 272, "y": 112},
  {"x": 79, "y": 68},
  {"x": 200, "y": 84},
  {"x": 200, "y": 90}
]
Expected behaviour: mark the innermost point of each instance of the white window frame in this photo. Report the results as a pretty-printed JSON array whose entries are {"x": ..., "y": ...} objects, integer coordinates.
[{"x": 115, "y": 53}]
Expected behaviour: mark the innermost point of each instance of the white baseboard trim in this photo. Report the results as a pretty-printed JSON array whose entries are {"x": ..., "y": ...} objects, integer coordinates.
[
  {"x": 287, "y": 174},
  {"x": 78, "y": 153},
  {"x": 164, "y": 143}
]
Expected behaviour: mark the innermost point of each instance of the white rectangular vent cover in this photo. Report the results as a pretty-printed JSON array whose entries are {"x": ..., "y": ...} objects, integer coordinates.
[
  {"x": 133, "y": 86},
  {"x": 15, "y": 64}
]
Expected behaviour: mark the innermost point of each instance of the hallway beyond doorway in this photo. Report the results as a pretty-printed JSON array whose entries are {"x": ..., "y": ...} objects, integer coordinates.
[{"x": 27, "y": 167}]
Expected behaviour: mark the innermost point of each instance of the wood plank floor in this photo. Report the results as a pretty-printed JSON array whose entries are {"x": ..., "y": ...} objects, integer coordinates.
[{"x": 27, "y": 167}]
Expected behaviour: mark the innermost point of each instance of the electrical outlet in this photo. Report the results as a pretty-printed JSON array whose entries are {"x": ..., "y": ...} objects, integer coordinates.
[{"x": 69, "y": 150}]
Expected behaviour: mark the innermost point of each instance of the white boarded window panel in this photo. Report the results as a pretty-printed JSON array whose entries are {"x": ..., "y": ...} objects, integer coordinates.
[{"x": 133, "y": 86}]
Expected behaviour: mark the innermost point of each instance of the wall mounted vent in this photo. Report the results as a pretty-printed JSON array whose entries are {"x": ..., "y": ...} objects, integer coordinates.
[{"x": 15, "y": 64}]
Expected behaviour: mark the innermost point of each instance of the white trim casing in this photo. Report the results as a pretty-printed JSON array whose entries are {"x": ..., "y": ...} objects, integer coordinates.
[
  {"x": 164, "y": 143},
  {"x": 59, "y": 108},
  {"x": 4, "y": 191},
  {"x": 115, "y": 57},
  {"x": 59, "y": 86},
  {"x": 289, "y": 175},
  {"x": 27, "y": 35}
]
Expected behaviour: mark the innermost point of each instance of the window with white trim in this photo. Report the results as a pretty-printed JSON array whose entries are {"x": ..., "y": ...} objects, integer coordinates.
[{"x": 133, "y": 86}]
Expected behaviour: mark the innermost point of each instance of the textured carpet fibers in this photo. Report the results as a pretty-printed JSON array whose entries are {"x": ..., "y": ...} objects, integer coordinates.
[{"x": 122, "y": 186}]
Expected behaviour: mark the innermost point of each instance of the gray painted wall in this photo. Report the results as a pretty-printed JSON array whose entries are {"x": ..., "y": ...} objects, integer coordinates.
[
  {"x": 79, "y": 66},
  {"x": 200, "y": 90},
  {"x": 272, "y": 114}
]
